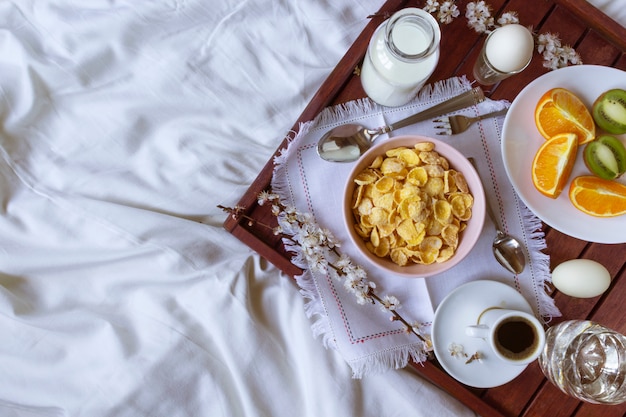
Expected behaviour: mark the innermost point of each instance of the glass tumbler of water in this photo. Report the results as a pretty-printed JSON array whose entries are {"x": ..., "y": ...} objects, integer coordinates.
[{"x": 587, "y": 361}]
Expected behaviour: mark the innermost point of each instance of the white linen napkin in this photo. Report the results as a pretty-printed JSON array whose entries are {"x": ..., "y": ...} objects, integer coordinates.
[{"x": 363, "y": 334}]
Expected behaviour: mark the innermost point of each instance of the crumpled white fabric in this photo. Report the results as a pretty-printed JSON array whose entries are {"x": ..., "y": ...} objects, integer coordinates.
[
  {"x": 612, "y": 8},
  {"x": 123, "y": 124}
]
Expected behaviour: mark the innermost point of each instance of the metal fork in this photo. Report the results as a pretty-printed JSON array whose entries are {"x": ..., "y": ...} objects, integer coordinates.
[{"x": 451, "y": 125}]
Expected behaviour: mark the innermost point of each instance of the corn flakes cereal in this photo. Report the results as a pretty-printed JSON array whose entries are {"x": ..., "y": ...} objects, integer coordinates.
[
  {"x": 366, "y": 177},
  {"x": 410, "y": 206},
  {"x": 384, "y": 184},
  {"x": 376, "y": 162},
  {"x": 417, "y": 176}
]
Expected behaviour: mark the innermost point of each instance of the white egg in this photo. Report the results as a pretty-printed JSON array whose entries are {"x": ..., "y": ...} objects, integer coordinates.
[
  {"x": 581, "y": 278},
  {"x": 510, "y": 48}
]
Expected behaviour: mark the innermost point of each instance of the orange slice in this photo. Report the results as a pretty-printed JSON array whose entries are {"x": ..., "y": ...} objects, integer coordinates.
[
  {"x": 553, "y": 164},
  {"x": 598, "y": 197},
  {"x": 561, "y": 111}
]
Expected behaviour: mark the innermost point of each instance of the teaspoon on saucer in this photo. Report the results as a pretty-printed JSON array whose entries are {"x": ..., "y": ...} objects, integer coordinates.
[{"x": 346, "y": 143}]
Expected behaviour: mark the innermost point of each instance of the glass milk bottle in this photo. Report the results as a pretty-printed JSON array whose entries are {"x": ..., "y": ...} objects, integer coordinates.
[
  {"x": 587, "y": 361},
  {"x": 403, "y": 52}
]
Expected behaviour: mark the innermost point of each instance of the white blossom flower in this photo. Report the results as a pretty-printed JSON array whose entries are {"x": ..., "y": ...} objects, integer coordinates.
[
  {"x": 427, "y": 342},
  {"x": 356, "y": 284},
  {"x": 445, "y": 11},
  {"x": 555, "y": 55},
  {"x": 359, "y": 286},
  {"x": 389, "y": 303},
  {"x": 363, "y": 297},
  {"x": 571, "y": 55},
  {"x": 345, "y": 267},
  {"x": 548, "y": 42},
  {"x": 263, "y": 197},
  {"x": 311, "y": 239},
  {"x": 508, "y": 18},
  {"x": 329, "y": 239},
  {"x": 318, "y": 263},
  {"x": 431, "y": 6},
  {"x": 266, "y": 196},
  {"x": 343, "y": 261},
  {"x": 456, "y": 350},
  {"x": 418, "y": 328},
  {"x": 478, "y": 16},
  {"x": 448, "y": 12}
]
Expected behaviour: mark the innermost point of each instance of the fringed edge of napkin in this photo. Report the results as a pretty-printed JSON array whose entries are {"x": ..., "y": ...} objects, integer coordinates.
[
  {"x": 380, "y": 362},
  {"x": 364, "y": 106},
  {"x": 537, "y": 243},
  {"x": 313, "y": 307}
]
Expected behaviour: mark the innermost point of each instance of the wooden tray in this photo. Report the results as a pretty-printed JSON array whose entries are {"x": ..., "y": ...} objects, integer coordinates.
[{"x": 599, "y": 40}]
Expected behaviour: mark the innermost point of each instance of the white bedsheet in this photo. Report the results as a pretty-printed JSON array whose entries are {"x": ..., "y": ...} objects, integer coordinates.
[
  {"x": 613, "y": 8},
  {"x": 123, "y": 124}
]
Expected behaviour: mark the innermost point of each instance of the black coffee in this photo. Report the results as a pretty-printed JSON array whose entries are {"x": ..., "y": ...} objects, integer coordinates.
[{"x": 516, "y": 338}]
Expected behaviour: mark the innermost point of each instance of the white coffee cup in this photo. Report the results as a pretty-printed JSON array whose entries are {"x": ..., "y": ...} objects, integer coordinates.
[{"x": 515, "y": 337}]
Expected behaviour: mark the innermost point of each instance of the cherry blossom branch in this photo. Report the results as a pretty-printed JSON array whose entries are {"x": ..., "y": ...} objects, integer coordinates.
[{"x": 314, "y": 246}]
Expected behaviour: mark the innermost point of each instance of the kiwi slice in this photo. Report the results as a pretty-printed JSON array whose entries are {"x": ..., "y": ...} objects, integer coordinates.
[
  {"x": 605, "y": 157},
  {"x": 609, "y": 111}
]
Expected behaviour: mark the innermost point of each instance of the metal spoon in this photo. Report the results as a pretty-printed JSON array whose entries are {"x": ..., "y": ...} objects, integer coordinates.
[
  {"x": 346, "y": 143},
  {"x": 507, "y": 250}
]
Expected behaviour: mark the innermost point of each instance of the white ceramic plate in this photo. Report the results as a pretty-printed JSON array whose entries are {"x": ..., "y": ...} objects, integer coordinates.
[
  {"x": 460, "y": 309},
  {"x": 521, "y": 139}
]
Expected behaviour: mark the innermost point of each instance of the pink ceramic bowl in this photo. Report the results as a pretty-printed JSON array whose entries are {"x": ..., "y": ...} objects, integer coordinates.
[{"x": 467, "y": 237}]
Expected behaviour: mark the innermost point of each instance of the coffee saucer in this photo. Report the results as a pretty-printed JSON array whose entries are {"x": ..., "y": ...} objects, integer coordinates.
[{"x": 460, "y": 309}]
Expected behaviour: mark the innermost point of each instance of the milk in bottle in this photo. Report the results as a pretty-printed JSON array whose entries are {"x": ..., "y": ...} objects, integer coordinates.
[{"x": 401, "y": 55}]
